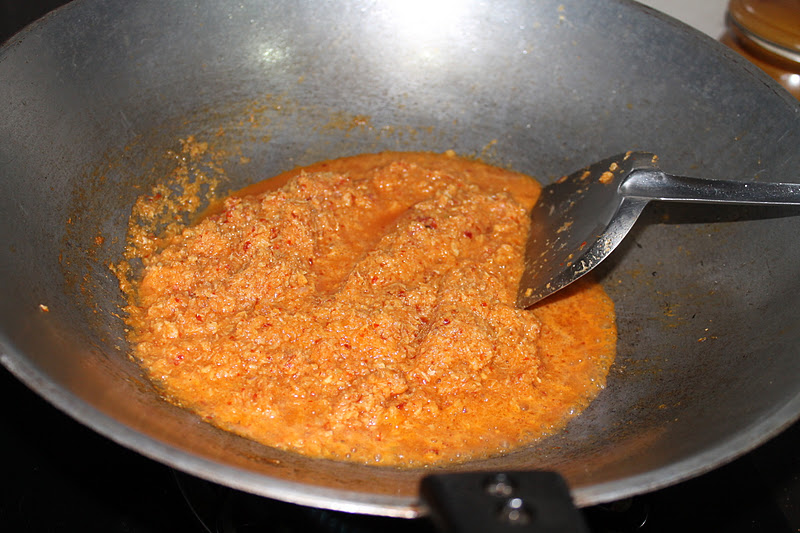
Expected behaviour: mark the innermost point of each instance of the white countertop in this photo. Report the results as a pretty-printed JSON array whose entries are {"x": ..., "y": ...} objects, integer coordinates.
[{"x": 707, "y": 16}]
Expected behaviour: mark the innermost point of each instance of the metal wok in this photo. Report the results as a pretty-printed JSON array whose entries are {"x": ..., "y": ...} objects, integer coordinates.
[{"x": 93, "y": 95}]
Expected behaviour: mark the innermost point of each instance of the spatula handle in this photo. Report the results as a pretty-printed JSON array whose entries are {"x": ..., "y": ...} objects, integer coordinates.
[{"x": 656, "y": 185}]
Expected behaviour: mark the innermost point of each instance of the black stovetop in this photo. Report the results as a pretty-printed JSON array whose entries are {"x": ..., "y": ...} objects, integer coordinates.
[{"x": 61, "y": 476}]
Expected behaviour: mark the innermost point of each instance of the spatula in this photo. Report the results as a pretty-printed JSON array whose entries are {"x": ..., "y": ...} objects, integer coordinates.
[{"x": 581, "y": 218}]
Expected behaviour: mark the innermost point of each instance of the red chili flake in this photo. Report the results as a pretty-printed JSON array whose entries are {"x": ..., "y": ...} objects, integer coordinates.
[
  {"x": 446, "y": 321},
  {"x": 199, "y": 318},
  {"x": 468, "y": 234},
  {"x": 401, "y": 405},
  {"x": 247, "y": 246},
  {"x": 428, "y": 222},
  {"x": 178, "y": 359},
  {"x": 374, "y": 279}
]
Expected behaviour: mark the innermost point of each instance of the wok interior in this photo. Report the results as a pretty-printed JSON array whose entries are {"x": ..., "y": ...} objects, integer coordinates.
[{"x": 94, "y": 96}]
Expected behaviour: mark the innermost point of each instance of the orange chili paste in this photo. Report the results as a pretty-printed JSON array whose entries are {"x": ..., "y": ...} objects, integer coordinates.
[{"x": 363, "y": 309}]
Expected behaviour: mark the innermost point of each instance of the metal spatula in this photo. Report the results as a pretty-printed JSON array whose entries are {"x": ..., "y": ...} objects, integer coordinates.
[{"x": 581, "y": 218}]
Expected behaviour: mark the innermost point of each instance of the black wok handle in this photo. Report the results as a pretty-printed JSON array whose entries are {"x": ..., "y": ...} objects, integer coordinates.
[{"x": 505, "y": 502}]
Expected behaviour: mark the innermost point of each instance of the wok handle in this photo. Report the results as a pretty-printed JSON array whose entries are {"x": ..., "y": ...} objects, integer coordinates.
[
  {"x": 505, "y": 502},
  {"x": 653, "y": 184}
]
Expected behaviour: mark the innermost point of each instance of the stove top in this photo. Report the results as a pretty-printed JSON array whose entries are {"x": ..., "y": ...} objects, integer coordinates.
[{"x": 61, "y": 476}]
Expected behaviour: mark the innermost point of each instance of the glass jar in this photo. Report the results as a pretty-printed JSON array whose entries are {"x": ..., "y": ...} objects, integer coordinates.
[{"x": 767, "y": 32}]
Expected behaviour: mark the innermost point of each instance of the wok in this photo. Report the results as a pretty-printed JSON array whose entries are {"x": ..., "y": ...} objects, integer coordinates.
[{"x": 95, "y": 94}]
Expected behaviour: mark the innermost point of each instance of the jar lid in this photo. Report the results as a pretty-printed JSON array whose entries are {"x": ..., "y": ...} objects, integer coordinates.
[{"x": 775, "y": 23}]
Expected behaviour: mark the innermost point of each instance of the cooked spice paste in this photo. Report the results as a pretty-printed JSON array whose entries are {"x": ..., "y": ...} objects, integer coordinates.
[{"x": 364, "y": 311}]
